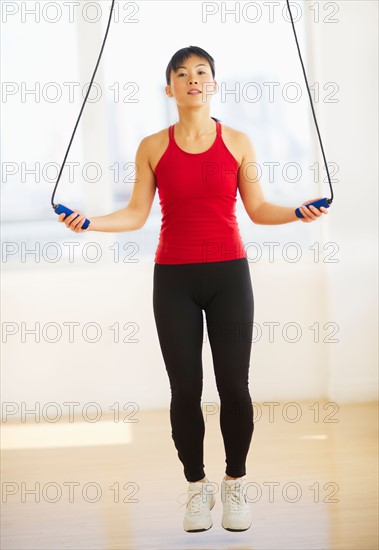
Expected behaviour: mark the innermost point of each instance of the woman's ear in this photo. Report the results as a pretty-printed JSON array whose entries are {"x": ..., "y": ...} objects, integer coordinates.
[{"x": 168, "y": 91}]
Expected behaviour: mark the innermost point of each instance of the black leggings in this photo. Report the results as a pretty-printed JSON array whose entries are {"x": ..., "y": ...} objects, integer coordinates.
[{"x": 224, "y": 291}]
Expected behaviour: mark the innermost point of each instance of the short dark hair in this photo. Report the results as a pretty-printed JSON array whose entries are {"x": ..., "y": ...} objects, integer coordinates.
[{"x": 185, "y": 53}]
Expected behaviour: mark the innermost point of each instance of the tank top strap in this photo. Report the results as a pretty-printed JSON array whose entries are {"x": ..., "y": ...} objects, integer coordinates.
[
  {"x": 170, "y": 133},
  {"x": 218, "y": 128}
]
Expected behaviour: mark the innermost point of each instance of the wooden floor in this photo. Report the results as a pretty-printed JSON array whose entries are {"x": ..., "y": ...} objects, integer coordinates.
[{"x": 313, "y": 482}]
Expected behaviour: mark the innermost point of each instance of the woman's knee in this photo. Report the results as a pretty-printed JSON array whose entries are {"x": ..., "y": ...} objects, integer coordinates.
[
  {"x": 186, "y": 393},
  {"x": 234, "y": 391}
]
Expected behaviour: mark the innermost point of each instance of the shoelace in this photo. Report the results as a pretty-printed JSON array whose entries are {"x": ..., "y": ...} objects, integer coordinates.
[
  {"x": 234, "y": 496},
  {"x": 194, "y": 499}
]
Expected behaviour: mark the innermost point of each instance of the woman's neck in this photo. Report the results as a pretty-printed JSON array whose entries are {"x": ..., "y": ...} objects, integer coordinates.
[{"x": 195, "y": 126}]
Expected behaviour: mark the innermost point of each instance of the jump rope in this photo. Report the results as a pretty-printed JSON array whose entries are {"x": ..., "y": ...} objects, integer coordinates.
[{"x": 60, "y": 208}]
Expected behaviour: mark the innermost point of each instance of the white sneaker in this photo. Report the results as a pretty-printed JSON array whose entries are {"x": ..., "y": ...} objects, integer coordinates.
[
  {"x": 199, "y": 503},
  {"x": 236, "y": 510}
]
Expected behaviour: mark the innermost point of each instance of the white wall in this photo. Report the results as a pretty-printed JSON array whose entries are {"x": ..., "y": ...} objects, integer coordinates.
[
  {"x": 106, "y": 371},
  {"x": 346, "y": 53},
  {"x": 307, "y": 292}
]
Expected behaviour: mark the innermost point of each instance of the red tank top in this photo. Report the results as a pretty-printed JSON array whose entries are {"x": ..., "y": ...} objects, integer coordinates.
[{"x": 197, "y": 195}]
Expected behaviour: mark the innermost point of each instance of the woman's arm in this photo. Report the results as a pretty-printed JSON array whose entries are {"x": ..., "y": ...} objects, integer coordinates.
[
  {"x": 135, "y": 214},
  {"x": 258, "y": 209}
]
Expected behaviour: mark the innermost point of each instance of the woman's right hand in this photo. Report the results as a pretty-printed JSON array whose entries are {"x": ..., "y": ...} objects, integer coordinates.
[{"x": 73, "y": 221}]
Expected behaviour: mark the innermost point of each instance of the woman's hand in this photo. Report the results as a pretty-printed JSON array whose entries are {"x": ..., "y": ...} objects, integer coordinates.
[
  {"x": 312, "y": 213},
  {"x": 73, "y": 222}
]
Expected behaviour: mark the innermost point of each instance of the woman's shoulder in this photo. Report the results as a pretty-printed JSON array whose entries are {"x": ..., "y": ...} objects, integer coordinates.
[
  {"x": 237, "y": 142},
  {"x": 152, "y": 140},
  {"x": 154, "y": 146},
  {"x": 235, "y": 135}
]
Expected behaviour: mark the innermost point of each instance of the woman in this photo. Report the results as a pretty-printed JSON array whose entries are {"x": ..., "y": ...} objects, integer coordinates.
[{"x": 201, "y": 265}]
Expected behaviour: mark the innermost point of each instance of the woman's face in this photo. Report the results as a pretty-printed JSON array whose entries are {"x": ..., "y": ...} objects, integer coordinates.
[{"x": 194, "y": 72}]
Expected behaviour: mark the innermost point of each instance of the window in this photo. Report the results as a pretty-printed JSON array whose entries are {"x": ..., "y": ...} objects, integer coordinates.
[{"x": 261, "y": 92}]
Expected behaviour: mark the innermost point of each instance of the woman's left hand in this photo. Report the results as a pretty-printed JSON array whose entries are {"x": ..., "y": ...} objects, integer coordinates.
[{"x": 312, "y": 213}]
